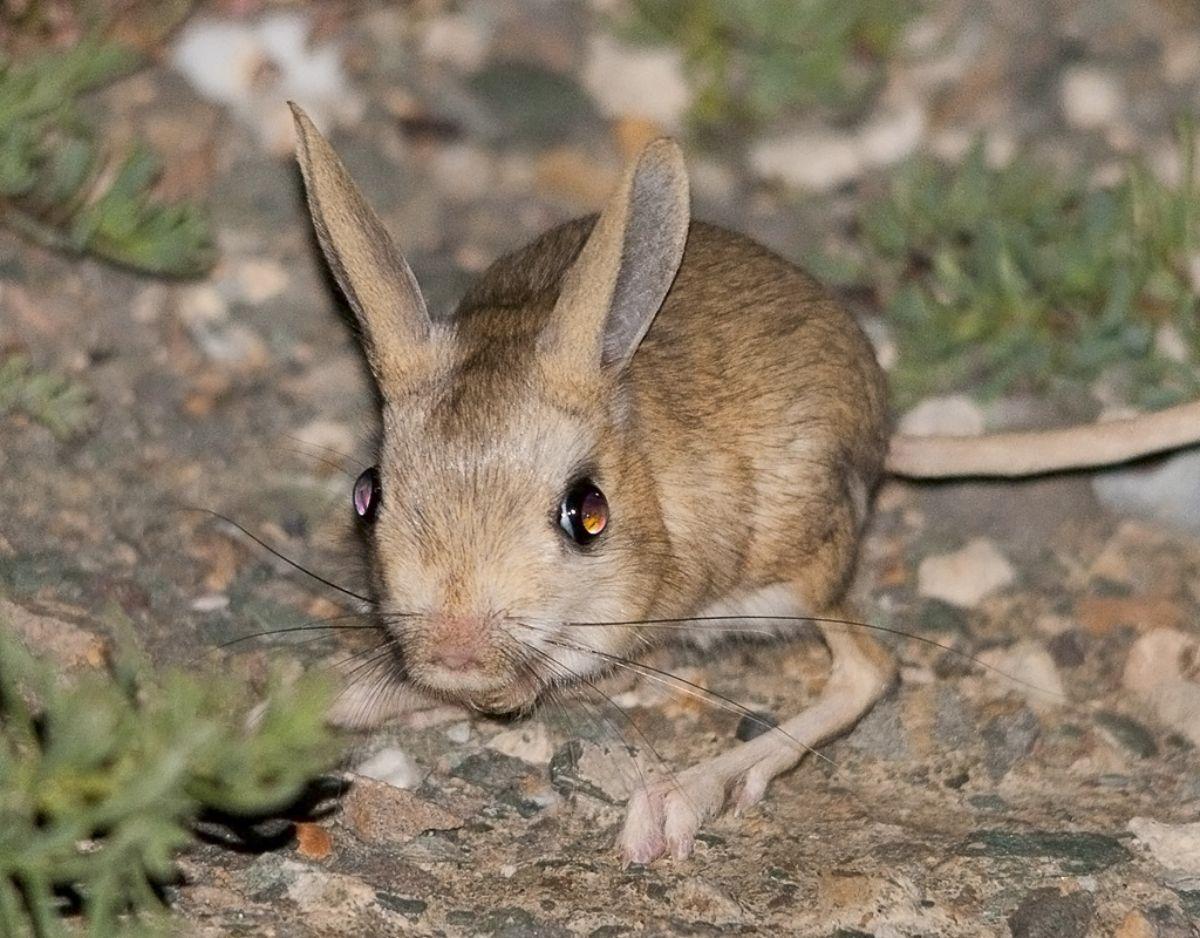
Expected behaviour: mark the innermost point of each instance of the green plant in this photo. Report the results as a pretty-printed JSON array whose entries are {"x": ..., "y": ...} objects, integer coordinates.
[
  {"x": 58, "y": 403},
  {"x": 100, "y": 778},
  {"x": 750, "y": 60},
  {"x": 1020, "y": 278},
  {"x": 62, "y": 188}
]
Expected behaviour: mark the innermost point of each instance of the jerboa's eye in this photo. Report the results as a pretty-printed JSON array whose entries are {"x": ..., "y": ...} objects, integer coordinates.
[
  {"x": 365, "y": 494},
  {"x": 583, "y": 515}
]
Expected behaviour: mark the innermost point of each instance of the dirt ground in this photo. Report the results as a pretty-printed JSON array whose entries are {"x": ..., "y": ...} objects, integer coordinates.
[{"x": 965, "y": 804}]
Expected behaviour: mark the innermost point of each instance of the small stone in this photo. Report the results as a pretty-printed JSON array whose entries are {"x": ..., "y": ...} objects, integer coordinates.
[
  {"x": 1091, "y": 99},
  {"x": 1135, "y": 925},
  {"x": 260, "y": 279},
  {"x": 201, "y": 305},
  {"x": 1066, "y": 648},
  {"x": 327, "y": 898},
  {"x": 1163, "y": 490},
  {"x": 754, "y": 724},
  {"x": 967, "y": 576},
  {"x": 1128, "y": 734},
  {"x": 67, "y": 645},
  {"x": 457, "y": 39},
  {"x": 1075, "y": 852},
  {"x": 459, "y": 733},
  {"x": 529, "y": 742},
  {"x": 954, "y": 415},
  {"x": 212, "y": 602},
  {"x": 383, "y": 814},
  {"x": 1009, "y": 739},
  {"x": 635, "y": 81},
  {"x": 313, "y": 841},
  {"x": 1047, "y": 913},
  {"x": 393, "y": 766},
  {"x": 1027, "y": 668},
  {"x": 1161, "y": 670},
  {"x": 1174, "y": 846},
  {"x": 702, "y": 901},
  {"x": 816, "y": 161},
  {"x": 1101, "y": 615}
]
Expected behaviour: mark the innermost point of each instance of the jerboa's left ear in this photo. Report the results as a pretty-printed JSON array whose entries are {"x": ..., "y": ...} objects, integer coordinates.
[{"x": 610, "y": 295}]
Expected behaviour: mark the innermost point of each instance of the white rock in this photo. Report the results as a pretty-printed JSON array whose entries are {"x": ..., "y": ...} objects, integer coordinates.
[
  {"x": 529, "y": 742},
  {"x": 1164, "y": 492},
  {"x": 818, "y": 161},
  {"x": 201, "y": 305},
  {"x": 394, "y": 766},
  {"x": 892, "y": 134},
  {"x": 213, "y": 602},
  {"x": 1175, "y": 846},
  {"x": 965, "y": 577},
  {"x": 459, "y": 733},
  {"x": 260, "y": 279},
  {"x": 1091, "y": 98},
  {"x": 254, "y": 67},
  {"x": 457, "y": 39},
  {"x": 1155, "y": 672},
  {"x": 954, "y": 415},
  {"x": 1028, "y": 669},
  {"x": 631, "y": 81}
]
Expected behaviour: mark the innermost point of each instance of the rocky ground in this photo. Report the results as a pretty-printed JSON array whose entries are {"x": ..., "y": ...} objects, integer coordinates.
[{"x": 1059, "y": 797}]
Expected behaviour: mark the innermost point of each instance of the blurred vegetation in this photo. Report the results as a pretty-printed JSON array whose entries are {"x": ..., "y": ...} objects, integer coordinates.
[
  {"x": 101, "y": 777},
  {"x": 748, "y": 61},
  {"x": 56, "y": 402},
  {"x": 1021, "y": 278},
  {"x": 61, "y": 184}
]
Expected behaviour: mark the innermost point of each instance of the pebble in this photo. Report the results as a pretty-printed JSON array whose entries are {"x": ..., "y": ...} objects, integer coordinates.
[
  {"x": 260, "y": 279},
  {"x": 1174, "y": 846},
  {"x": 965, "y": 577},
  {"x": 253, "y": 66},
  {"x": 459, "y": 733},
  {"x": 1091, "y": 98},
  {"x": 393, "y": 766},
  {"x": 313, "y": 841},
  {"x": 820, "y": 159},
  {"x": 380, "y": 813},
  {"x": 634, "y": 81},
  {"x": 953, "y": 415},
  {"x": 67, "y": 645},
  {"x": 1027, "y": 668},
  {"x": 457, "y": 39},
  {"x": 1155, "y": 672},
  {"x": 1163, "y": 490},
  {"x": 1047, "y": 913},
  {"x": 529, "y": 742},
  {"x": 212, "y": 602}
]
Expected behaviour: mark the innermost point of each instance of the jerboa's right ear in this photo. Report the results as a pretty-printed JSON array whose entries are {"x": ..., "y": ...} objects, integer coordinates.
[{"x": 366, "y": 263}]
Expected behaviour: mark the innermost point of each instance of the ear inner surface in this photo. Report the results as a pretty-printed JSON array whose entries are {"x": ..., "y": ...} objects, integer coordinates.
[
  {"x": 369, "y": 268},
  {"x": 612, "y": 292}
]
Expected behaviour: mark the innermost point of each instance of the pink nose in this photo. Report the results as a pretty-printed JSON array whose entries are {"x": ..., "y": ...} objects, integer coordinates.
[{"x": 457, "y": 641}]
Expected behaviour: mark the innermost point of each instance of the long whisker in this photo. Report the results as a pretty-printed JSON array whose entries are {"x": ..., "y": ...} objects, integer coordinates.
[
  {"x": 684, "y": 621},
  {"x": 667, "y": 679},
  {"x": 326, "y": 625},
  {"x": 328, "y": 449},
  {"x": 276, "y": 553}
]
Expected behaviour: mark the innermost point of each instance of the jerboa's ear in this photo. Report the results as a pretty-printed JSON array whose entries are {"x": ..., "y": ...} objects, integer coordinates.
[
  {"x": 610, "y": 295},
  {"x": 366, "y": 263}
]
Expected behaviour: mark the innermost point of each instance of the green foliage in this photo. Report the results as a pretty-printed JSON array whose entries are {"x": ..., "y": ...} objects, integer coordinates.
[
  {"x": 58, "y": 403},
  {"x": 750, "y": 60},
  {"x": 101, "y": 777},
  {"x": 59, "y": 187},
  {"x": 1018, "y": 278}
]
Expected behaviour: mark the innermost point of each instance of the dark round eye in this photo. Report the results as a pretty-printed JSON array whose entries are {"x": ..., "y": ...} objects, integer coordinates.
[
  {"x": 583, "y": 514},
  {"x": 366, "y": 494}
]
